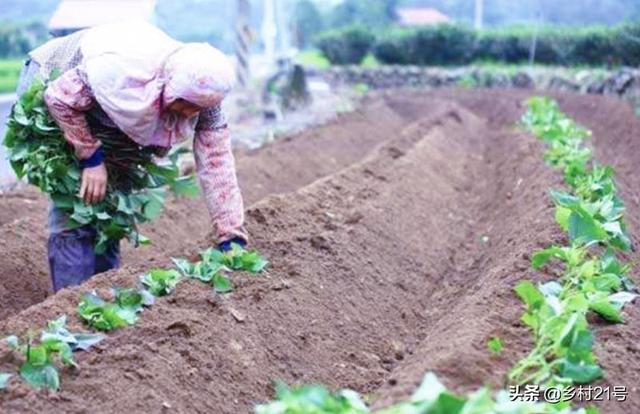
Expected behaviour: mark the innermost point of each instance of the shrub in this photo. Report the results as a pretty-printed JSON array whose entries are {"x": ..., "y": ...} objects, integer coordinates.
[
  {"x": 454, "y": 45},
  {"x": 444, "y": 44},
  {"x": 593, "y": 46},
  {"x": 393, "y": 49},
  {"x": 626, "y": 44},
  {"x": 346, "y": 46},
  {"x": 503, "y": 46}
]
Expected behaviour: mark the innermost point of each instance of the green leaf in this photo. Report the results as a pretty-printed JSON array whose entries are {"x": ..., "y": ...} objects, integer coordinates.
[
  {"x": 622, "y": 298},
  {"x": 184, "y": 266},
  {"x": 494, "y": 344},
  {"x": 222, "y": 284},
  {"x": 153, "y": 209},
  {"x": 185, "y": 186},
  {"x": 161, "y": 282},
  {"x": 542, "y": 257},
  {"x": 37, "y": 355},
  {"x": 4, "y": 380},
  {"x": 84, "y": 341},
  {"x": 40, "y": 376},
  {"x": 562, "y": 217},
  {"x": 128, "y": 298},
  {"x": 564, "y": 199},
  {"x": 12, "y": 341},
  {"x": 583, "y": 227},
  {"x": 429, "y": 391},
  {"x": 448, "y": 403},
  {"x": 608, "y": 311},
  {"x": 529, "y": 294},
  {"x": 63, "y": 202},
  {"x": 580, "y": 373}
]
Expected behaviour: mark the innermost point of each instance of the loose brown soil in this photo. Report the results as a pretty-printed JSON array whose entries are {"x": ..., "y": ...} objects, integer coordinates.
[{"x": 395, "y": 235}]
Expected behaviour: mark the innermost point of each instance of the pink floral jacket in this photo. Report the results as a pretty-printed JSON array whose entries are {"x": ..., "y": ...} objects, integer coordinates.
[{"x": 69, "y": 97}]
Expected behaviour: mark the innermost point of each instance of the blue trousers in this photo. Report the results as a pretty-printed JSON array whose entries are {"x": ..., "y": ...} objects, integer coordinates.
[{"x": 72, "y": 258}]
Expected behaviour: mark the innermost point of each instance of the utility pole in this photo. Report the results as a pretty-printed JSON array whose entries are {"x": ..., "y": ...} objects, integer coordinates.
[
  {"x": 479, "y": 20},
  {"x": 243, "y": 40}
]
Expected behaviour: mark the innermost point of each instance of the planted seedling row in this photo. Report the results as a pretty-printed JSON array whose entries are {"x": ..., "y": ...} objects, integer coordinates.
[
  {"x": 592, "y": 277},
  {"x": 56, "y": 344},
  {"x": 593, "y": 280}
]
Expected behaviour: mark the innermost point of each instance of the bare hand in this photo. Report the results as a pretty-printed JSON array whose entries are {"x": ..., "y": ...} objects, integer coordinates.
[{"x": 94, "y": 184}]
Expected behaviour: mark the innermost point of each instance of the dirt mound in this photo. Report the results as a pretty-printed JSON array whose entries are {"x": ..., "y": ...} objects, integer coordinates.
[
  {"x": 402, "y": 262},
  {"x": 281, "y": 167}
]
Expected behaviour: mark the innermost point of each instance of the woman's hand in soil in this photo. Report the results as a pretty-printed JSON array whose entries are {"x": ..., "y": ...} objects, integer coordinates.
[{"x": 94, "y": 184}]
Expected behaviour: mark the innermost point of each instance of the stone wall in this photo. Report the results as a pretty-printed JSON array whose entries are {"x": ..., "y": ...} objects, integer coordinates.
[{"x": 624, "y": 82}]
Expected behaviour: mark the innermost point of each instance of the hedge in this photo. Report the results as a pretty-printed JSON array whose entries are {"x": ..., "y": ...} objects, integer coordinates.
[
  {"x": 448, "y": 44},
  {"x": 346, "y": 46}
]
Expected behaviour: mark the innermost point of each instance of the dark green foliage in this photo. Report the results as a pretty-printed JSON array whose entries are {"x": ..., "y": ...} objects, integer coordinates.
[
  {"x": 441, "y": 45},
  {"x": 455, "y": 45},
  {"x": 16, "y": 40},
  {"x": 627, "y": 44},
  {"x": 346, "y": 46},
  {"x": 307, "y": 21},
  {"x": 368, "y": 13}
]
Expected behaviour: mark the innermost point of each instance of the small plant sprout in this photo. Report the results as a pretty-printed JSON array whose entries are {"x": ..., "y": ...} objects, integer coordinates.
[
  {"x": 161, "y": 282},
  {"x": 494, "y": 344},
  {"x": 240, "y": 259},
  {"x": 55, "y": 345},
  {"x": 214, "y": 263},
  {"x": 107, "y": 316}
]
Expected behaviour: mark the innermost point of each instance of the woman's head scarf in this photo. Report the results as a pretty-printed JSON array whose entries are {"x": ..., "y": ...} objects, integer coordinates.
[{"x": 135, "y": 71}]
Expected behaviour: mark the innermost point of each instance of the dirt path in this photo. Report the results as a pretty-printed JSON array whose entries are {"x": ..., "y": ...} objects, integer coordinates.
[{"x": 400, "y": 263}]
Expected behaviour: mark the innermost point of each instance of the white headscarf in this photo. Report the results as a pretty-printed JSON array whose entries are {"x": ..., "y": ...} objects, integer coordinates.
[{"x": 135, "y": 70}]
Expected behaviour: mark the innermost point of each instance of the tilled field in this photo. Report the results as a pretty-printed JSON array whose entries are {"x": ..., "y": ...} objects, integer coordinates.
[{"x": 395, "y": 234}]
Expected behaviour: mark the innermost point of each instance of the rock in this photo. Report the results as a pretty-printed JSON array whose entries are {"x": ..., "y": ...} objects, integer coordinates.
[
  {"x": 561, "y": 84},
  {"x": 237, "y": 315},
  {"x": 522, "y": 80}
]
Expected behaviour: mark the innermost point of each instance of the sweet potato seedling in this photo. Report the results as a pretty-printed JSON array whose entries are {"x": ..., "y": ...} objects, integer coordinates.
[
  {"x": 240, "y": 259},
  {"x": 592, "y": 214},
  {"x": 107, "y": 316},
  {"x": 56, "y": 344},
  {"x": 210, "y": 269},
  {"x": 430, "y": 398},
  {"x": 161, "y": 282}
]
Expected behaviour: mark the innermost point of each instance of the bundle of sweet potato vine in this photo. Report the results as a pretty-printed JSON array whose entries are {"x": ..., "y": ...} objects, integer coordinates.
[{"x": 137, "y": 185}]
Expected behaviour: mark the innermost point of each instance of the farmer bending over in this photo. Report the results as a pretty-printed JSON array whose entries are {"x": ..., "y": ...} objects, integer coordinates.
[{"x": 158, "y": 92}]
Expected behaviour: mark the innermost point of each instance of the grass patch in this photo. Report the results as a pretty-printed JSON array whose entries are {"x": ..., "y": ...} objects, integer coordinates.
[
  {"x": 9, "y": 74},
  {"x": 313, "y": 58}
]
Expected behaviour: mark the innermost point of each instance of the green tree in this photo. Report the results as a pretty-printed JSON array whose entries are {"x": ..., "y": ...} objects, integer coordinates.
[
  {"x": 307, "y": 22},
  {"x": 370, "y": 13}
]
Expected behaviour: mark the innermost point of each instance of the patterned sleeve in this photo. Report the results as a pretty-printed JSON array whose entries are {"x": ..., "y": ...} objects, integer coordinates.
[
  {"x": 217, "y": 173},
  {"x": 68, "y": 98}
]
